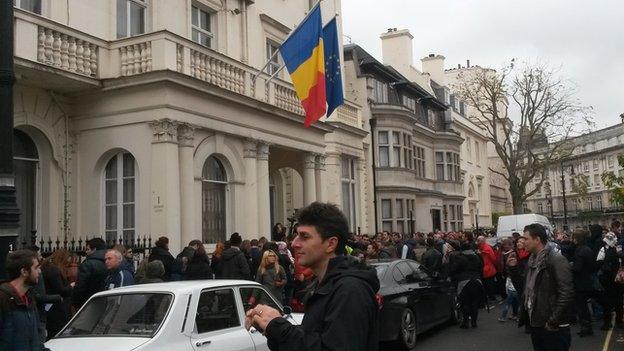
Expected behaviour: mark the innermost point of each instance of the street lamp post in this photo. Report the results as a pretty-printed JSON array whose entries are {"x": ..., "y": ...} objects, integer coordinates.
[
  {"x": 565, "y": 203},
  {"x": 9, "y": 212}
]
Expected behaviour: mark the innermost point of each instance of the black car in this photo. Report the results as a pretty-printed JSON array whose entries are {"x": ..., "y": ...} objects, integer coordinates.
[{"x": 411, "y": 301}]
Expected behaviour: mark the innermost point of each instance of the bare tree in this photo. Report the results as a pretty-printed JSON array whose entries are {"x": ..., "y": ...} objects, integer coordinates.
[{"x": 528, "y": 112}]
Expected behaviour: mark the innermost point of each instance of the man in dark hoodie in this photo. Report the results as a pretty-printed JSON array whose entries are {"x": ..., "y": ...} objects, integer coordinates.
[
  {"x": 341, "y": 312},
  {"x": 233, "y": 263},
  {"x": 91, "y": 273}
]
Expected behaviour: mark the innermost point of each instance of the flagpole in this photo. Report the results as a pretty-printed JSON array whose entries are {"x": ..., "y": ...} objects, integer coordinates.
[
  {"x": 275, "y": 74},
  {"x": 253, "y": 79}
]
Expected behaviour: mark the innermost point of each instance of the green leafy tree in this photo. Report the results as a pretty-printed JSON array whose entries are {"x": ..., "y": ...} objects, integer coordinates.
[{"x": 615, "y": 183}]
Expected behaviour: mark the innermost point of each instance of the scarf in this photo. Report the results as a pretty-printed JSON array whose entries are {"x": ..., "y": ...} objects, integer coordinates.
[{"x": 535, "y": 264}]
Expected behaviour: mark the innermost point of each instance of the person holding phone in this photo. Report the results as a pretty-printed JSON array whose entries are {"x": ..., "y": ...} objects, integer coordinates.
[{"x": 341, "y": 312}]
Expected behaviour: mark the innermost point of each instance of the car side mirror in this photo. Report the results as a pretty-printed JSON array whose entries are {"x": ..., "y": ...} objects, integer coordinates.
[{"x": 287, "y": 310}]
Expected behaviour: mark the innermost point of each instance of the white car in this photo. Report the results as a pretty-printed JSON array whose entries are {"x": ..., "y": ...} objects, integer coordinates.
[{"x": 188, "y": 315}]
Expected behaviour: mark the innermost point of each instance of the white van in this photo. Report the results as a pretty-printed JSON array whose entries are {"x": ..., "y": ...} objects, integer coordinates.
[{"x": 507, "y": 225}]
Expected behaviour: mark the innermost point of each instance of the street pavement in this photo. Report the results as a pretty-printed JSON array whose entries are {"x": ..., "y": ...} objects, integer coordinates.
[{"x": 492, "y": 335}]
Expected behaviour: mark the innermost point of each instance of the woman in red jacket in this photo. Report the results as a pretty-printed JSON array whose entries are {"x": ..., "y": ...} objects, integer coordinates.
[{"x": 489, "y": 266}]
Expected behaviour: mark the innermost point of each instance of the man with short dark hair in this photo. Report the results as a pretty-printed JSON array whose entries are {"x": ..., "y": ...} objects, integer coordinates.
[
  {"x": 548, "y": 292},
  {"x": 432, "y": 259},
  {"x": 233, "y": 261},
  {"x": 91, "y": 273},
  {"x": 118, "y": 274},
  {"x": 341, "y": 312},
  {"x": 19, "y": 322}
]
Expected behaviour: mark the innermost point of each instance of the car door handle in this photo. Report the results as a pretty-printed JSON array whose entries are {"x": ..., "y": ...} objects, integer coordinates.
[
  {"x": 253, "y": 330},
  {"x": 202, "y": 343}
]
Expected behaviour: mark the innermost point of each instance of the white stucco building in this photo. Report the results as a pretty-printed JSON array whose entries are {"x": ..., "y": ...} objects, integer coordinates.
[
  {"x": 150, "y": 117},
  {"x": 593, "y": 154}
]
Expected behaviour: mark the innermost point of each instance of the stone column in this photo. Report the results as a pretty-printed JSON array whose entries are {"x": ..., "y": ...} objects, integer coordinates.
[
  {"x": 165, "y": 187},
  {"x": 309, "y": 179},
  {"x": 321, "y": 178},
  {"x": 187, "y": 181},
  {"x": 264, "y": 202},
  {"x": 251, "y": 189}
]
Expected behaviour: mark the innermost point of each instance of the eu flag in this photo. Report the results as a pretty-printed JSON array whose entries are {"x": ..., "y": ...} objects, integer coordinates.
[{"x": 333, "y": 77}]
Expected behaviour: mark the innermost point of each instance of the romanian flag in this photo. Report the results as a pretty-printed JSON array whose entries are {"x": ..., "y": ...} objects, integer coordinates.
[{"x": 305, "y": 60}]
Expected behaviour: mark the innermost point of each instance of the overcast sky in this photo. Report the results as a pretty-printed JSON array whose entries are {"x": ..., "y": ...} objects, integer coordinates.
[{"x": 585, "y": 38}]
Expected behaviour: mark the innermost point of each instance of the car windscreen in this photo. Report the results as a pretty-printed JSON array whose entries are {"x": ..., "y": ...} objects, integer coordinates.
[
  {"x": 139, "y": 314},
  {"x": 381, "y": 269}
]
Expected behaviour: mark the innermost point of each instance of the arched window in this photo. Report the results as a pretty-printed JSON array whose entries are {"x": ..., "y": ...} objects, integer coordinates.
[
  {"x": 25, "y": 164},
  {"x": 214, "y": 187},
  {"x": 120, "y": 195}
]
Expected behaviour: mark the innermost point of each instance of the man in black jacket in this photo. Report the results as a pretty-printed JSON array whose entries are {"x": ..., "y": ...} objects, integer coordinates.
[
  {"x": 432, "y": 259},
  {"x": 233, "y": 263},
  {"x": 341, "y": 312},
  {"x": 548, "y": 292},
  {"x": 91, "y": 273},
  {"x": 585, "y": 280}
]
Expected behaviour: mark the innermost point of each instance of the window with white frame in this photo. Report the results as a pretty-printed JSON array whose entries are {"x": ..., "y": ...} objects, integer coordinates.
[
  {"x": 585, "y": 167},
  {"x": 439, "y": 165},
  {"x": 379, "y": 93},
  {"x": 610, "y": 161},
  {"x": 419, "y": 161},
  {"x": 445, "y": 217},
  {"x": 395, "y": 161},
  {"x": 453, "y": 217},
  {"x": 131, "y": 17},
  {"x": 596, "y": 164},
  {"x": 348, "y": 190},
  {"x": 590, "y": 203},
  {"x": 408, "y": 160},
  {"x": 447, "y": 166},
  {"x": 202, "y": 26},
  {"x": 271, "y": 57},
  {"x": 477, "y": 152},
  {"x": 33, "y": 6},
  {"x": 384, "y": 149},
  {"x": 469, "y": 149},
  {"x": 597, "y": 181},
  {"x": 386, "y": 214},
  {"x": 399, "y": 213},
  {"x": 119, "y": 197},
  {"x": 540, "y": 207}
]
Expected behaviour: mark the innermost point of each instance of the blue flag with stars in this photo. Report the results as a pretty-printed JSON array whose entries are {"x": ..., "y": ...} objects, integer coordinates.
[{"x": 333, "y": 77}]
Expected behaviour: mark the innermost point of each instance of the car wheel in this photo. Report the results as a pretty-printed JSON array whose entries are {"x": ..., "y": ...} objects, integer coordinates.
[
  {"x": 408, "y": 329},
  {"x": 456, "y": 315}
]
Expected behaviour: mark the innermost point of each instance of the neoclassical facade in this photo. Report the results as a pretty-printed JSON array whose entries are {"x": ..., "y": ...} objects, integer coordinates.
[
  {"x": 153, "y": 118},
  {"x": 588, "y": 200}
]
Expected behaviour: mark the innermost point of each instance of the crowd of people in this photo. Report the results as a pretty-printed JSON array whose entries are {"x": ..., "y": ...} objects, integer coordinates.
[{"x": 485, "y": 270}]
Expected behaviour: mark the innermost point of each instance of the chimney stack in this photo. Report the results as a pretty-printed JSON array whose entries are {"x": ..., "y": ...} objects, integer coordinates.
[
  {"x": 434, "y": 65},
  {"x": 467, "y": 63},
  {"x": 396, "y": 48}
]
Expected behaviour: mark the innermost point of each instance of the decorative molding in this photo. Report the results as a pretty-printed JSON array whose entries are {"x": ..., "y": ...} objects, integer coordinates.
[
  {"x": 165, "y": 130},
  {"x": 263, "y": 150},
  {"x": 309, "y": 161},
  {"x": 250, "y": 148},
  {"x": 320, "y": 162},
  {"x": 186, "y": 134}
]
